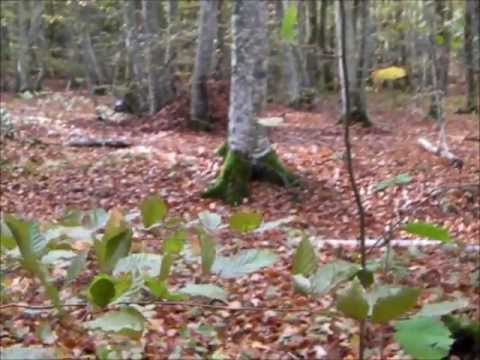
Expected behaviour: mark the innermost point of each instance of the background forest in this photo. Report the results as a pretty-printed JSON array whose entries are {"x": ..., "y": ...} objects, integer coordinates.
[{"x": 291, "y": 179}]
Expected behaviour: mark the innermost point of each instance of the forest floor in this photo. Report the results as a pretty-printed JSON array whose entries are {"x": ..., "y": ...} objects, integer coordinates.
[{"x": 41, "y": 177}]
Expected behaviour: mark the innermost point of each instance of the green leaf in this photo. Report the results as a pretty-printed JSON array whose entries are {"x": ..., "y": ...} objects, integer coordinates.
[
  {"x": 7, "y": 240},
  {"x": 424, "y": 337},
  {"x": 353, "y": 302},
  {"x": 115, "y": 243},
  {"x": 127, "y": 321},
  {"x": 30, "y": 241},
  {"x": 159, "y": 289},
  {"x": 207, "y": 251},
  {"x": 209, "y": 220},
  {"x": 305, "y": 260},
  {"x": 401, "y": 179},
  {"x": 302, "y": 285},
  {"x": 330, "y": 275},
  {"x": 442, "y": 308},
  {"x": 366, "y": 278},
  {"x": 289, "y": 24},
  {"x": 439, "y": 40},
  {"x": 175, "y": 243},
  {"x": 389, "y": 73},
  {"x": 167, "y": 263},
  {"x": 275, "y": 224},
  {"x": 206, "y": 290},
  {"x": 393, "y": 306},
  {"x": 101, "y": 290},
  {"x": 57, "y": 257},
  {"x": 245, "y": 221},
  {"x": 142, "y": 263},
  {"x": 76, "y": 267},
  {"x": 153, "y": 210},
  {"x": 245, "y": 262},
  {"x": 428, "y": 231},
  {"x": 26, "y": 353}
]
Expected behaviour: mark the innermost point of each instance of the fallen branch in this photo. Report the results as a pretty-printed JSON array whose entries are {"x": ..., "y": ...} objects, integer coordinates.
[
  {"x": 117, "y": 144},
  {"x": 441, "y": 151}
]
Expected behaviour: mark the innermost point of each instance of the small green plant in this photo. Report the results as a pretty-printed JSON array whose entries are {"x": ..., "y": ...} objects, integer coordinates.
[{"x": 125, "y": 278}]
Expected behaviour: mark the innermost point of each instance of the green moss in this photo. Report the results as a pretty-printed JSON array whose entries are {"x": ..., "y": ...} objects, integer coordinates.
[
  {"x": 269, "y": 168},
  {"x": 232, "y": 183},
  {"x": 223, "y": 150},
  {"x": 201, "y": 124}
]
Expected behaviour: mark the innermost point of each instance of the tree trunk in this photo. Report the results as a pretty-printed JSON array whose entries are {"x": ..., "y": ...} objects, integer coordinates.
[
  {"x": 199, "y": 115},
  {"x": 160, "y": 89},
  {"x": 290, "y": 69},
  {"x": 222, "y": 66},
  {"x": 469, "y": 46},
  {"x": 312, "y": 57},
  {"x": 24, "y": 57},
  {"x": 249, "y": 151},
  {"x": 325, "y": 40},
  {"x": 171, "y": 52},
  {"x": 356, "y": 64},
  {"x": 441, "y": 40}
]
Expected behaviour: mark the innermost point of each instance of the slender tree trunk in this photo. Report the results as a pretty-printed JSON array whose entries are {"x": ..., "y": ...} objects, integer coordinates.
[
  {"x": 24, "y": 58},
  {"x": 290, "y": 68},
  {"x": 356, "y": 64},
  {"x": 326, "y": 40},
  {"x": 312, "y": 57},
  {"x": 222, "y": 68},
  {"x": 171, "y": 52},
  {"x": 469, "y": 46},
  {"x": 160, "y": 87},
  {"x": 442, "y": 42},
  {"x": 199, "y": 115},
  {"x": 248, "y": 146}
]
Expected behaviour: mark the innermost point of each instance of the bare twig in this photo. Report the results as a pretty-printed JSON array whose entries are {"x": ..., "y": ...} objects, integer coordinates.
[{"x": 162, "y": 303}]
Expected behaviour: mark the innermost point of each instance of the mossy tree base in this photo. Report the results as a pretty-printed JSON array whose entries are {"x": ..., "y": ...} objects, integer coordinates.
[
  {"x": 238, "y": 170},
  {"x": 201, "y": 125}
]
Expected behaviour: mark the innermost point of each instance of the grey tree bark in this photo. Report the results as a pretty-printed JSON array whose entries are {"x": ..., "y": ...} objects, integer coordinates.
[
  {"x": 356, "y": 62},
  {"x": 249, "y": 150},
  {"x": 312, "y": 56},
  {"x": 199, "y": 115},
  {"x": 29, "y": 30},
  {"x": 223, "y": 58},
  {"x": 469, "y": 48},
  {"x": 159, "y": 81},
  {"x": 440, "y": 41}
]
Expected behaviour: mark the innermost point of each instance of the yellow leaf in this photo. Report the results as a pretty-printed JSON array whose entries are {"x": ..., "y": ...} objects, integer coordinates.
[{"x": 389, "y": 73}]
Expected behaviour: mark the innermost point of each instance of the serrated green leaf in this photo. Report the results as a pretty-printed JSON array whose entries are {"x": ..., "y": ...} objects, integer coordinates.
[
  {"x": 57, "y": 257},
  {"x": 245, "y": 221},
  {"x": 207, "y": 251},
  {"x": 424, "y": 337},
  {"x": 330, "y": 275},
  {"x": 7, "y": 240},
  {"x": 206, "y": 290},
  {"x": 166, "y": 266},
  {"x": 428, "y": 231},
  {"x": 115, "y": 243},
  {"x": 442, "y": 308},
  {"x": 159, "y": 289},
  {"x": 77, "y": 265},
  {"x": 101, "y": 290},
  {"x": 26, "y": 353},
  {"x": 305, "y": 260},
  {"x": 175, "y": 243},
  {"x": 366, "y": 277},
  {"x": 353, "y": 302},
  {"x": 245, "y": 262},
  {"x": 439, "y": 40},
  {"x": 209, "y": 220},
  {"x": 31, "y": 243},
  {"x": 127, "y": 321},
  {"x": 153, "y": 210},
  {"x": 393, "y": 306},
  {"x": 142, "y": 263},
  {"x": 289, "y": 24},
  {"x": 401, "y": 179}
]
